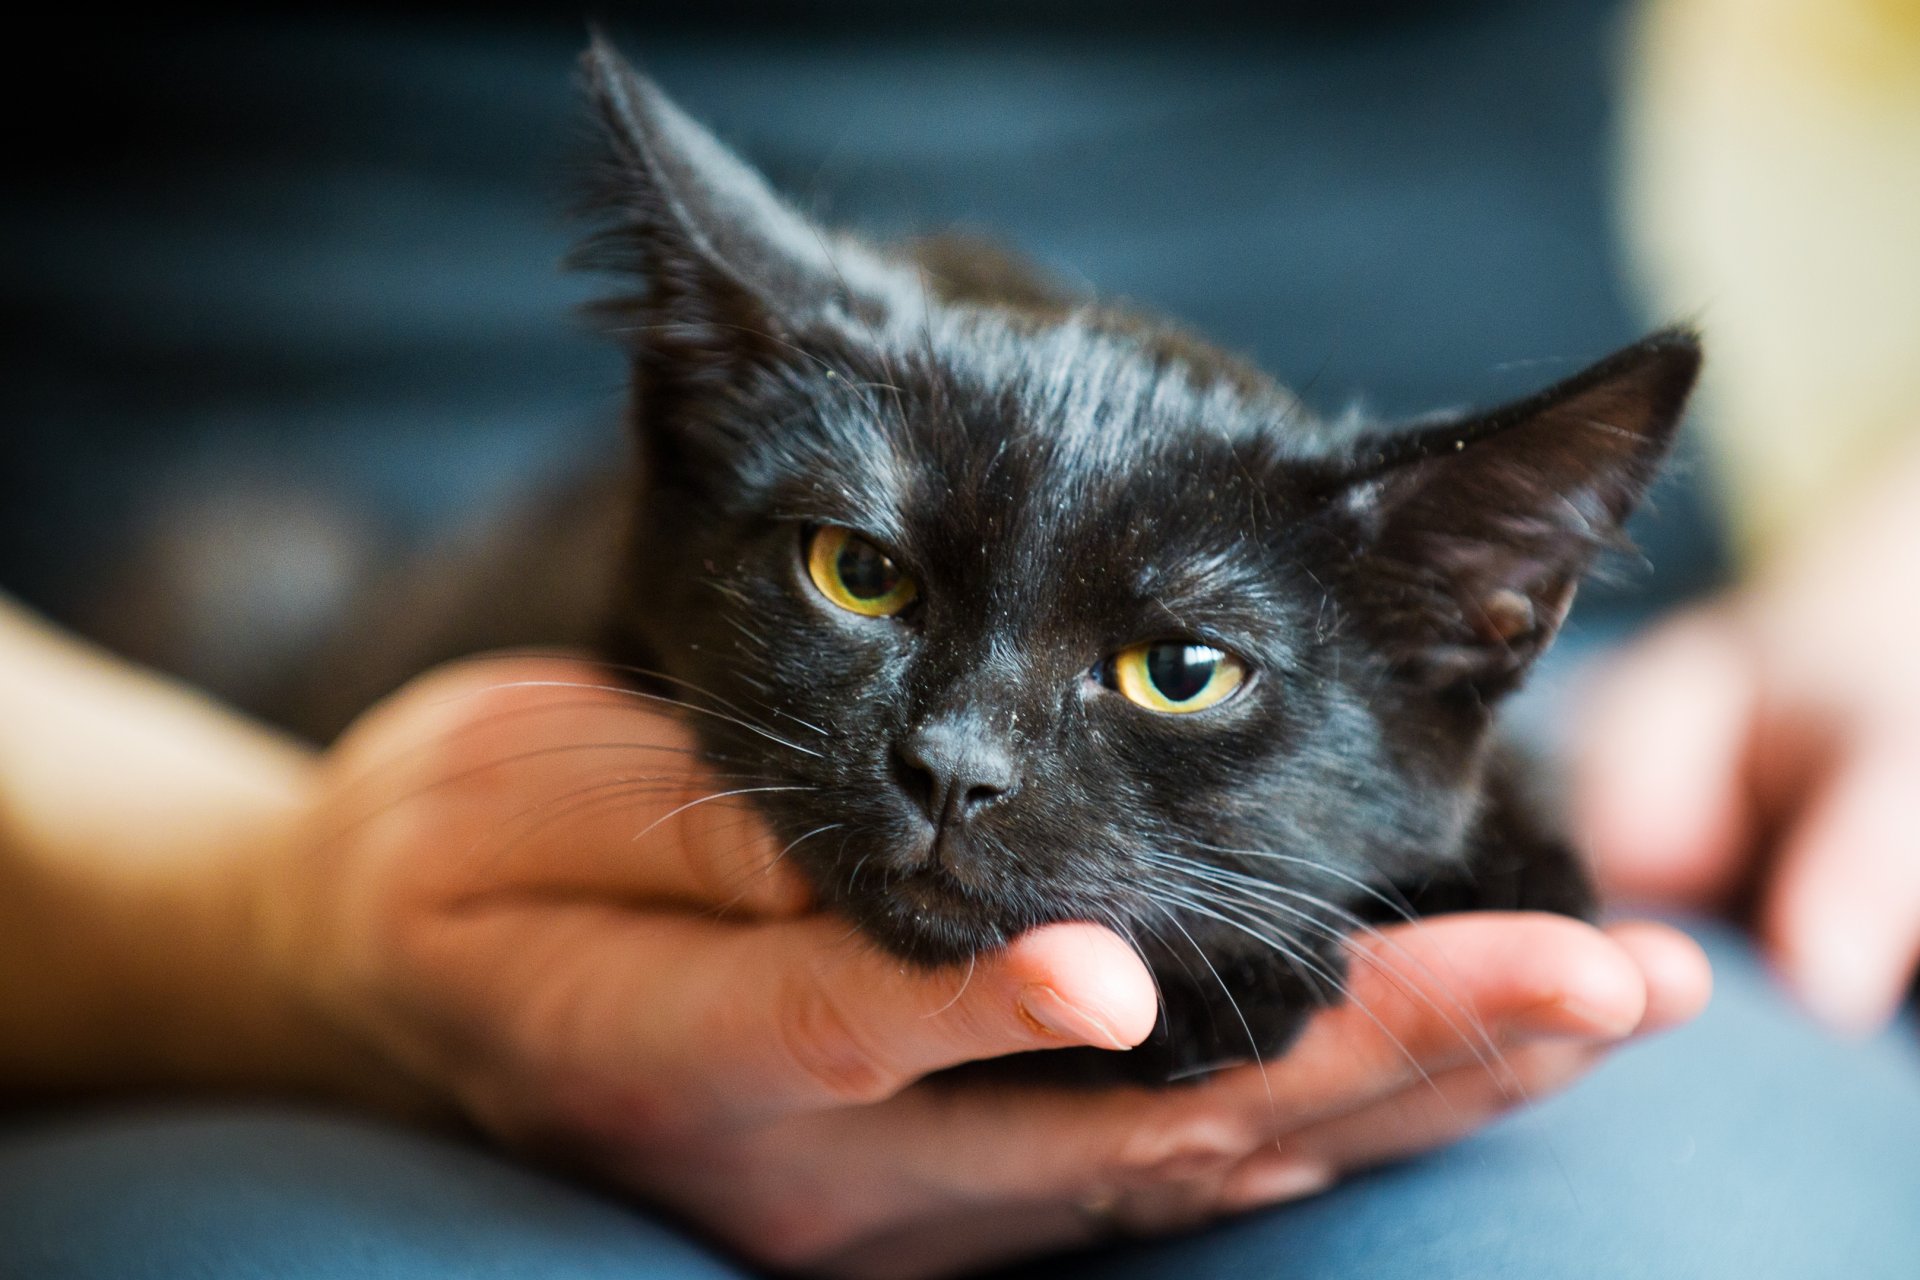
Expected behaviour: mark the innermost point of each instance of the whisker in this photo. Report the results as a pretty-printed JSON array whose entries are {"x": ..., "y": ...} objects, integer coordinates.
[
  {"x": 649, "y": 673},
  {"x": 1480, "y": 1043},
  {"x": 643, "y": 695},
  {"x": 718, "y": 795},
  {"x": 374, "y": 810},
  {"x": 965, "y": 982},
  {"x": 1347, "y": 993},
  {"x": 1397, "y": 904},
  {"x": 1253, "y": 1043},
  {"x": 1121, "y": 926},
  {"x": 777, "y": 859}
]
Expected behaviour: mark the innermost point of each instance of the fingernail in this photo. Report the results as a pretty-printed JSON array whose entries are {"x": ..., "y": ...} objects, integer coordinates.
[{"x": 1043, "y": 1009}]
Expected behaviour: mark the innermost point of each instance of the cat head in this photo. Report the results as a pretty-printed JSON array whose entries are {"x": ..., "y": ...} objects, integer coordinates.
[{"x": 1013, "y": 612}]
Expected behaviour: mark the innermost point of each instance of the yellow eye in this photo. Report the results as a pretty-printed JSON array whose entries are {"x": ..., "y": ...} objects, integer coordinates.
[
  {"x": 856, "y": 575},
  {"x": 1176, "y": 676}
]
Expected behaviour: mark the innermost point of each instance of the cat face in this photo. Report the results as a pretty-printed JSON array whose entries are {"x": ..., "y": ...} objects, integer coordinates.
[
  {"x": 1012, "y": 614},
  {"x": 1082, "y": 635}
]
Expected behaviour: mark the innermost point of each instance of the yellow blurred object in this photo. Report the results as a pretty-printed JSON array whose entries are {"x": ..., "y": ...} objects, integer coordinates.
[{"x": 1772, "y": 194}]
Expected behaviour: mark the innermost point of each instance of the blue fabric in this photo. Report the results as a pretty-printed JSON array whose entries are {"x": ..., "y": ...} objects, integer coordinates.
[{"x": 1749, "y": 1146}]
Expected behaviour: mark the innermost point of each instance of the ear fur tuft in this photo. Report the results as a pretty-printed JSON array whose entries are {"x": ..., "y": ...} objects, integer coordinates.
[{"x": 1469, "y": 536}]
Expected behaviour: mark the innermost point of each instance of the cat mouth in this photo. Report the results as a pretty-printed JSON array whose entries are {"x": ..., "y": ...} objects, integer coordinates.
[
  {"x": 927, "y": 917},
  {"x": 935, "y": 892}
]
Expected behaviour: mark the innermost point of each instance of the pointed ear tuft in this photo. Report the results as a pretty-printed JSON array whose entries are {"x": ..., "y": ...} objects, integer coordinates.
[
  {"x": 1470, "y": 536},
  {"x": 691, "y": 222},
  {"x": 661, "y": 196}
]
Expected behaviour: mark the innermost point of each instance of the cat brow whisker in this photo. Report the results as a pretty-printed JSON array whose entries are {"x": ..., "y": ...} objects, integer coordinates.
[{"x": 873, "y": 339}]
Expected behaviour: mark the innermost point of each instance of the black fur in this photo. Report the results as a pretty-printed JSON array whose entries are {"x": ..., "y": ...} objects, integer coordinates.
[{"x": 1063, "y": 481}]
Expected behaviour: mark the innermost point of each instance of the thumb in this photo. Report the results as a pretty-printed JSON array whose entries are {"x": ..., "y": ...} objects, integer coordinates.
[{"x": 745, "y": 1021}]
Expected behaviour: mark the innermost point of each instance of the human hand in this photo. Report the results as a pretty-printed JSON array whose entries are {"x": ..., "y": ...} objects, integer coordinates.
[
  {"x": 1763, "y": 754},
  {"x": 469, "y": 911}
]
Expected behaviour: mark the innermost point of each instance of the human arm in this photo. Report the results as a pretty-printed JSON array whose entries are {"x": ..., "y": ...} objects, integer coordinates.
[{"x": 131, "y": 816}]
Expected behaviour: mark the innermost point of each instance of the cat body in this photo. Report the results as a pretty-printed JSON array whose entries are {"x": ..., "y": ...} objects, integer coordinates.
[{"x": 1025, "y": 609}]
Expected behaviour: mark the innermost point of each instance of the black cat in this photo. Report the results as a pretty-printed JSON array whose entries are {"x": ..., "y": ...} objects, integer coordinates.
[{"x": 1050, "y": 612}]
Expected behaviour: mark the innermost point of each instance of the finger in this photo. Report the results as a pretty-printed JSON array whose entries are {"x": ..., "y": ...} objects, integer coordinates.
[
  {"x": 1660, "y": 791},
  {"x": 546, "y": 775},
  {"x": 1419, "y": 1118},
  {"x": 1446, "y": 991},
  {"x": 747, "y": 1021},
  {"x": 821, "y": 1020},
  {"x": 996, "y": 1147},
  {"x": 1558, "y": 984},
  {"x": 1679, "y": 979},
  {"x": 965, "y": 1175},
  {"x": 1842, "y": 914},
  {"x": 1159, "y": 1159},
  {"x": 1460, "y": 990}
]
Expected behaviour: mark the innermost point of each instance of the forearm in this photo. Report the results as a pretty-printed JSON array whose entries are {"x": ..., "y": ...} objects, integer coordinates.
[{"x": 133, "y": 819}]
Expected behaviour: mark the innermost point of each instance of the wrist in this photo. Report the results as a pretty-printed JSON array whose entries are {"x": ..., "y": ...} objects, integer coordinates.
[
  {"x": 298, "y": 1017},
  {"x": 140, "y": 830}
]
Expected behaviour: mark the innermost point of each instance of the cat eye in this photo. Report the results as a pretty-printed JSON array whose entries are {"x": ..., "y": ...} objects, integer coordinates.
[
  {"x": 1175, "y": 676},
  {"x": 855, "y": 574}
]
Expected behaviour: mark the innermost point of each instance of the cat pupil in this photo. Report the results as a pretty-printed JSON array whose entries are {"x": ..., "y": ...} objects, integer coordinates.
[
  {"x": 864, "y": 572},
  {"x": 1181, "y": 671}
]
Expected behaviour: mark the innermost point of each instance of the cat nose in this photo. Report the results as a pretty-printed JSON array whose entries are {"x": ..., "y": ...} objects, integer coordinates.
[{"x": 954, "y": 769}]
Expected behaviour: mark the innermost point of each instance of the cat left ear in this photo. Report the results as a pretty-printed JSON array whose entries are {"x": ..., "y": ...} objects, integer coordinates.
[
  {"x": 720, "y": 260},
  {"x": 1470, "y": 536}
]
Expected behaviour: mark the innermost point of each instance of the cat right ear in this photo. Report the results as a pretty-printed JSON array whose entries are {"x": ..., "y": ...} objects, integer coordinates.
[
  {"x": 723, "y": 270},
  {"x": 1463, "y": 540}
]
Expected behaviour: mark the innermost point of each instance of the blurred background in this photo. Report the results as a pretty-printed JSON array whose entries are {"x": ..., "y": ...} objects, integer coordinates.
[{"x": 285, "y": 305}]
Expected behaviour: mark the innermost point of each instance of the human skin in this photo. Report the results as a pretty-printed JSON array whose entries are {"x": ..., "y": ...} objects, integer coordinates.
[
  {"x": 501, "y": 900},
  {"x": 1761, "y": 755}
]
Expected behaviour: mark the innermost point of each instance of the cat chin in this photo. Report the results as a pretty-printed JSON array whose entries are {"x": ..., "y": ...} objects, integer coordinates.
[{"x": 926, "y": 921}]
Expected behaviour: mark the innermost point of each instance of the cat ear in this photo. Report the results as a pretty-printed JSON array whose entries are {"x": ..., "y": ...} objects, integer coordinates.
[
  {"x": 1471, "y": 535},
  {"x": 724, "y": 269}
]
